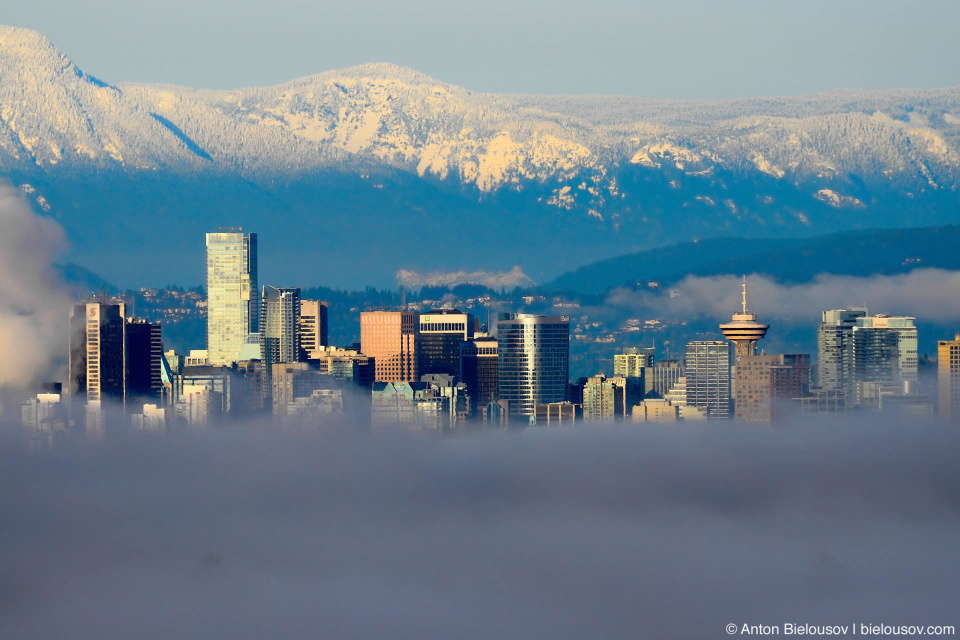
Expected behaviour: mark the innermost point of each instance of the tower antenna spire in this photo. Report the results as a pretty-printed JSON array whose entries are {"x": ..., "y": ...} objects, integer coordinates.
[
  {"x": 744, "y": 330},
  {"x": 744, "y": 295}
]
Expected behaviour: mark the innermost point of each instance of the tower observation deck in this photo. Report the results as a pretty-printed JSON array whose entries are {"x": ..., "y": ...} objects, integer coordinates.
[{"x": 744, "y": 331}]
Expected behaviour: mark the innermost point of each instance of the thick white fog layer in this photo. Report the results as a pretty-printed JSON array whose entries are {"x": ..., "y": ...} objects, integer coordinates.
[
  {"x": 584, "y": 533},
  {"x": 932, "y": 295},
  {"x": 33, "y": 307}
]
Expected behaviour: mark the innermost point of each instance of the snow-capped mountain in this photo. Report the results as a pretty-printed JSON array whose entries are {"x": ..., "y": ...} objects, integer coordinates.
[{"x": 405, "y": 171}]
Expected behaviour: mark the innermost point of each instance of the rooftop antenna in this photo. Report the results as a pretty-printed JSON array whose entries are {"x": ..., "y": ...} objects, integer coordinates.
[{"x": 744, "y": 294}]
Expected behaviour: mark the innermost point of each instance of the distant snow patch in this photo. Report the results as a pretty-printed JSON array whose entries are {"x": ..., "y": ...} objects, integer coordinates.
[
  {"x": 765, "y": 166},
  {"x": 837, "y": 200}
]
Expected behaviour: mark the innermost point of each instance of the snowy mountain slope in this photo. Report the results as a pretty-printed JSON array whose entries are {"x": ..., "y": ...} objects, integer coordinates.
[
  {"x": 53, "y": 112},
  {"x": 617, "y": 172}
]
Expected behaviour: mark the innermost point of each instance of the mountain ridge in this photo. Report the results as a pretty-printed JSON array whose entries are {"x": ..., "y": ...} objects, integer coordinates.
[
  {"x": 860, "y": 253},
  {"x": 615, "y": 172}
]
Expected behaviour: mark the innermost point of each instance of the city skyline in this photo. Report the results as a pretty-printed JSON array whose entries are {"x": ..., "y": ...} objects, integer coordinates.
[{"x": 527, "y": 319}]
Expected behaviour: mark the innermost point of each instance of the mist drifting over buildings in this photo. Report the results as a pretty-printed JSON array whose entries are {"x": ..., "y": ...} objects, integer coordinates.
[
  {"x": 33, "y": 305},
  {"x": 931, "y": 294},
  {"x": 633, "y": 532}
]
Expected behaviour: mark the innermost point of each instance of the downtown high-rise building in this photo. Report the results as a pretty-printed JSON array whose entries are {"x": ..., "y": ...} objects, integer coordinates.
[
  {"x": 605, "y": 399},
  {"x": 663, "y": 376},
  {"x": 97, "y": 362},
  {"x": 314, "y": 327},
  {"x": 279, "y": 326},
  {"x": 478, "y": 370},
  {"x": 835, "y": 349},
  {"x": 390, "y": 338},
  {"x": 533, "y": 360},
  {"x": 233, "y": 300},
  {"x": 708, "y": 378},
  {"x": 885, "y": 349},
  {"x": 144, "y": 366},
  {"x": 635, "y": 365},
  {"x": 632, "y": 361},
  {"x": 948, "y": 378},
  {"x": 112, "y": 358},
  {"x": 767, "y": 385},
  {"x": 442, "y": 332}
]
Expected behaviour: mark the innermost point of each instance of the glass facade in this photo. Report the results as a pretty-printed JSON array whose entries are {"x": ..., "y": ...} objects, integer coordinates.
[
  {"x": 441, "y": 334},
  {"x": 875, "y": 355},
  {"x": 233, "y": 301},
  {"x": 533, "y": 360},
  {"x": 708, "y": 377},
  {"x": 835, "y": 349},
  {"x": 144, "y": 351},
  {"x": 905, "y": 332},
  {"x": 280, "y": 326},
  {"x": 478, "y": 370},
  {"x": 664, "y": 375}
]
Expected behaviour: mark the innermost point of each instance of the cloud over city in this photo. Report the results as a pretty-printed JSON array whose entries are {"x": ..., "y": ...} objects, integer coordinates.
[
  {"x": 32, "y": 303},
  {"x": 930, "y": 294}
]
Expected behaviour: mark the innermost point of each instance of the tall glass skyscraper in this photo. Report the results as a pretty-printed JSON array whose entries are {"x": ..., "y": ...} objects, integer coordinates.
[
  {"x": 233, "y": 300},
  {"x": 533, "y": 364},
  {"x": 885, "y": 349},
  {"x": 708, "y": 377},
  {"x": 835, "y": 348},
  {"x": 280, "y": 326}
]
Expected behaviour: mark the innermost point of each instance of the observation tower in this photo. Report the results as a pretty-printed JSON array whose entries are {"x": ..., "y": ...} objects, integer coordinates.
[{"x": 743, "y": 330}]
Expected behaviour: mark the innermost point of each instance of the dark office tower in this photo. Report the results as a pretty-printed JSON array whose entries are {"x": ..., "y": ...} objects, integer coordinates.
[
  {"x": 279, "y": 326},
  {"x": 144, "y": 351},
  {"x": 708, "y": 377},
  {"x": 96, "y": 362},
  {"x": 664, "y": 376},
  {"x": 313, "y": 326},
  {"x": 442, "y": 331},
  {"x": 478, "y": 370},
  {"x": 835, "y": 349},
  {"x": 533, "y": 367}
]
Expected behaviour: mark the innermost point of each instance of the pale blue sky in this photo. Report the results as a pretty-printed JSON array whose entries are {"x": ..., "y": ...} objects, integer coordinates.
[{"x": 682, "y": 49}]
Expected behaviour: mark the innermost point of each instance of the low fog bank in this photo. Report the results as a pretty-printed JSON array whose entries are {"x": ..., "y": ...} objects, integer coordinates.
[{"x": 628, "y": 532}]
